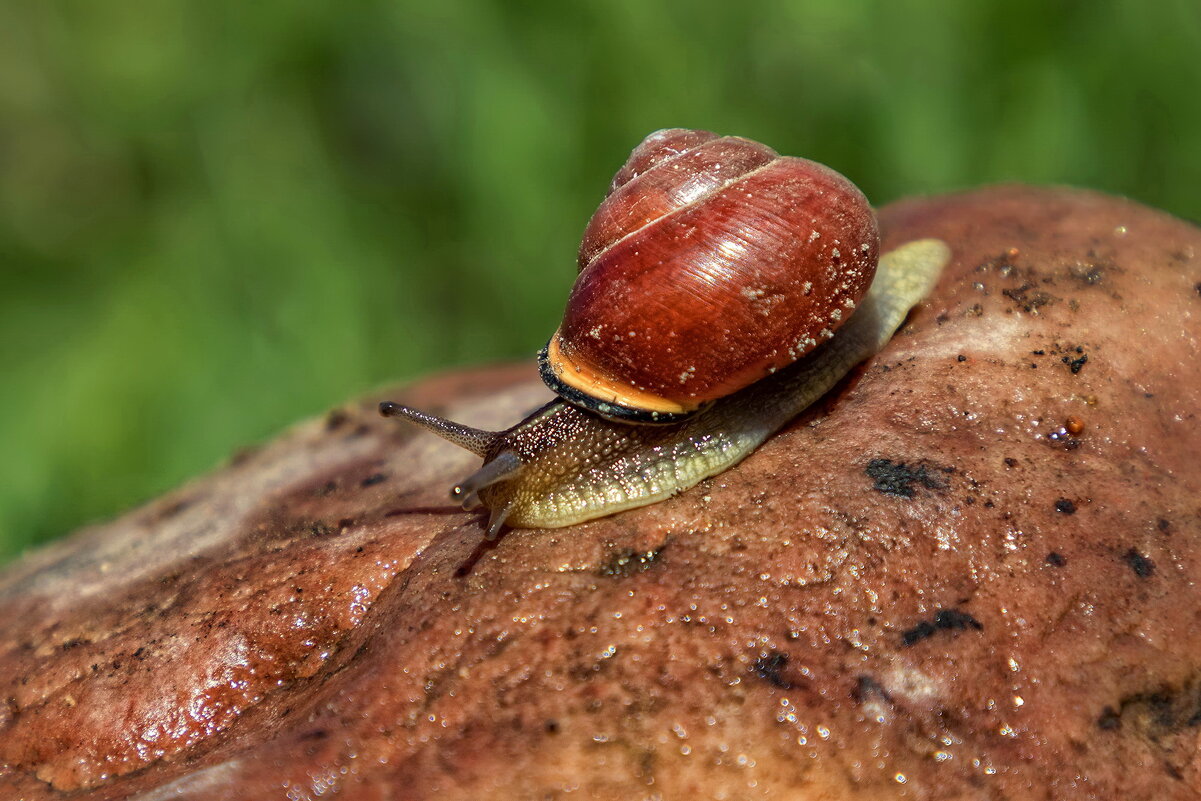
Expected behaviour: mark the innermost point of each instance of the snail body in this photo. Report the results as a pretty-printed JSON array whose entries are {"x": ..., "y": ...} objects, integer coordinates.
[
  {"x": 721, "y": 291},
  {"x": 563, "y": 465}
]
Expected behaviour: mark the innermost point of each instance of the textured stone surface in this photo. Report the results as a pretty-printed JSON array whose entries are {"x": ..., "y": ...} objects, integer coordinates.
[{"x": 969, "y": 574}]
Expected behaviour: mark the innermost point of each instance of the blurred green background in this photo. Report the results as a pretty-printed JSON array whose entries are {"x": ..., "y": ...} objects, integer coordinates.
[{"x": 219, "y": 217}]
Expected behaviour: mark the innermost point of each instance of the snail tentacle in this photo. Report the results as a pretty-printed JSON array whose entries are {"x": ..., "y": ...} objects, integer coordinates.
[
  {"x": 505, "y": 466},
  {"x": 496, "y": 520},
  {"x": 476, "y": 440}
]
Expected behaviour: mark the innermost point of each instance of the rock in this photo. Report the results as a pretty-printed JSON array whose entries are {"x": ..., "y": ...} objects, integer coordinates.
[{"x": 968, "y": 574}]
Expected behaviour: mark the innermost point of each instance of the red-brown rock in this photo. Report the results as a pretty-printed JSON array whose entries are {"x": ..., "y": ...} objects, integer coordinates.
[{"x": 969, "y": 574}]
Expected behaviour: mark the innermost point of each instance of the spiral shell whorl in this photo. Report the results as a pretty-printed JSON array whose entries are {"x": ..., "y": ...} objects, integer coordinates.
[{"x": 671, "y": 169}]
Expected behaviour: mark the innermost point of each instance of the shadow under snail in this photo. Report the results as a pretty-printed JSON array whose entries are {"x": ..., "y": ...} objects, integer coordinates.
[{"x": 713, "y": 279}]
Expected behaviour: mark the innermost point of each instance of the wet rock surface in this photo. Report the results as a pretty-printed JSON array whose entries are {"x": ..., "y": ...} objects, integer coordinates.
[{"x": 969, "y": 573}]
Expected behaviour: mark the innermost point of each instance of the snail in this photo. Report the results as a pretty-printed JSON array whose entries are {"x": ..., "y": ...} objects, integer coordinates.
[{"x": 722, "y": 290}]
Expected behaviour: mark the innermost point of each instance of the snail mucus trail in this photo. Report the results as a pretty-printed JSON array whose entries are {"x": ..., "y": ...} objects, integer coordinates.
[{"x": 722, "y": 290}]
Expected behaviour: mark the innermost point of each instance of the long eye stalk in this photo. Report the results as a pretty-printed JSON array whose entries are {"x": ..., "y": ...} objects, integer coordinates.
[{"x": 475, "y": 440}]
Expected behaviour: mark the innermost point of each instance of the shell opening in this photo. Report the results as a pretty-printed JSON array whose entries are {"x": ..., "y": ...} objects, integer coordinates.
[{"x": 581, "y": 386}]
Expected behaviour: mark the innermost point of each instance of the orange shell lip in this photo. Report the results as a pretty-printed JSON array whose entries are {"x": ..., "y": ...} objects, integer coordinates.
[{"x": 583, "y": 384}]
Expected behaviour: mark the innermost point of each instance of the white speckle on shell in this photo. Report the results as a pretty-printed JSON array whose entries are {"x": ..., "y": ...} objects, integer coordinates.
[{"x": 801, "y": 347}]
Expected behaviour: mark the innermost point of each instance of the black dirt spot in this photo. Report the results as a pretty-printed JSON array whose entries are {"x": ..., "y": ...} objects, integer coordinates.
[
  {"x": 1160, "y": 714},
  {"x": 944, "y": 620},
  {"x": 243, "y": 455},
  {"x": 899, "y": 478},
  {"x": 320, "y": 530},
  {"x": 1056, "y": 559},
  {"x": 868, "y": 689},
  {"x": 769, "y": 667},
  {"x": 336, "y": 419},
  {"x": 176, "y": 508},
  {"x": 1075, "y": 365},
  {"x": 1002, "y": 263},
  {"x": 956, "y": 620},
  {"x": 1063, "y": 441},
  {"x": 1029, "y": 299},
  {"x": 373, "y": 479},
  {"x": 627, "y": 561},
  {"x": 1063, "y": 438},
  {"x": 1066, "y": 506},
  {"x": 918, "y": 633},
  {"x": 1142, "y": 566},
  {"x": 1089, "y": 273}
]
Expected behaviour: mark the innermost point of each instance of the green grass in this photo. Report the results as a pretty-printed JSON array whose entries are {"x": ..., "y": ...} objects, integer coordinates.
[{"x": 219, "y": 217}]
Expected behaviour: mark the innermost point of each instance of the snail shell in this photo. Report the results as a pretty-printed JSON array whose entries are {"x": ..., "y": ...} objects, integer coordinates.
[{"x": 712, "y": 262}]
